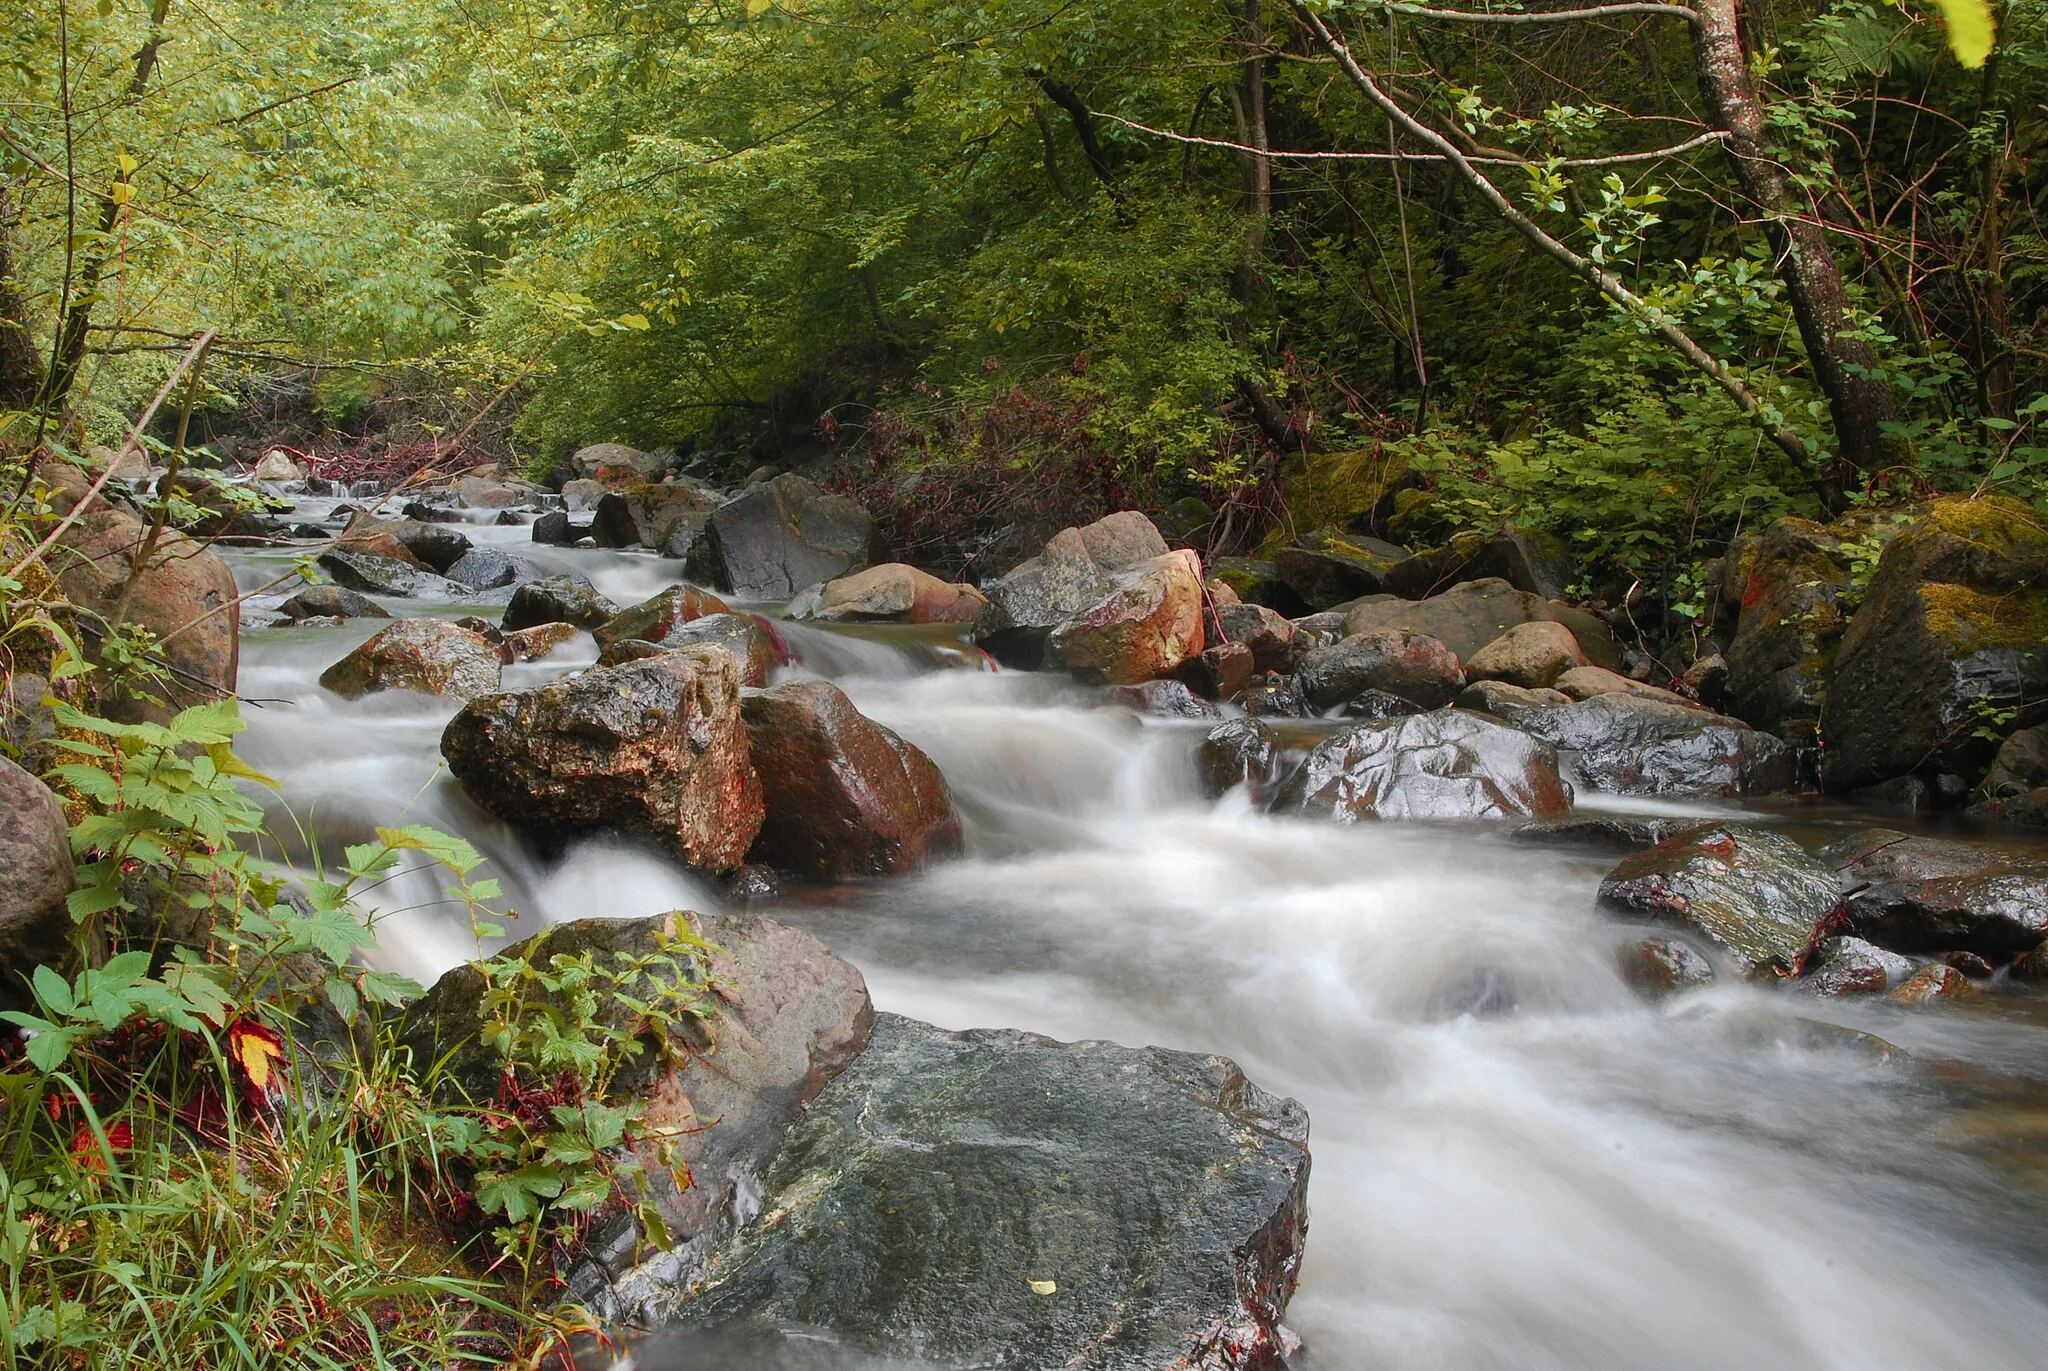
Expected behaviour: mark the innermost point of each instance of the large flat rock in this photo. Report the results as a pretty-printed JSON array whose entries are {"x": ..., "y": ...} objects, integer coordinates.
[{"x": 998, "y": 1199}]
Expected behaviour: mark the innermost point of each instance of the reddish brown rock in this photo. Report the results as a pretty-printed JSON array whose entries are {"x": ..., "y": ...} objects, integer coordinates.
[
  {"x": 892, "y": 592},
  {"x": 653, "y": 620},
  {"x": 653, "y": 747},
  {"x": 1146, "y": 626},
  {"x": 429, "y": 655},
  {"x": 185, "y": 596},
  {"x": 742, "y": 635},
  {"x": 1531, "y": 655},
  {"x": 845, "y": 796},
  {"x": 531, "y": 644}
]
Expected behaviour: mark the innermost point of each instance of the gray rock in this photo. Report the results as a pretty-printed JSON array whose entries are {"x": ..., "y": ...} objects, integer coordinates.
[
  {"x": 436, "y": 544},
  {"x": 488, "y": 568},
  {"x": 1269, "y": 636},
  {"x": 1411, "y": 665},
  {"x": 998, "y": 1199},
  {"x": 1449, "y": 764},
  {"x": 1508, "y": 701},
  {"x": 1616, "y": 832},
  {"x": 1241, "y": 752},
  {"x": 1930, "y": 895},
  {"x": 1851, "y": 966},
  {"x": 615, "y": 462},
  {"x": 1753, "y": 893},
  {"x": 787, "y": 1017},
  {"x": 1631, "y": 746},
  {"x": 1955, "y": 621},
  {"x": 653, "y": 747},
  {"x": 781, "y": 537},
  {"x": 2016, "y": 789},
  {"x": 558, "y": 600},
  {"x": 1472, "y": 614},
  {"x": 1657, "y": 968},
  {"x": 1526, "y": 559},
  {"x": 35, "y": 876},
  {"x": 1337, "y": 571},
  {"x": 332, "y": 602},
  {"x": 428, "y": 655},
  {"x": 1076, "y": 569},
  {"x": 752, "y": 650},
  {"x": 373, "y": 575},
  {"x": 1165, "y": 700}
]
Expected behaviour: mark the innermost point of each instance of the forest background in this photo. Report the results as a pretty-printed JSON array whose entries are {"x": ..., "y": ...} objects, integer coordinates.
[{"x": 1642, "y": 273}]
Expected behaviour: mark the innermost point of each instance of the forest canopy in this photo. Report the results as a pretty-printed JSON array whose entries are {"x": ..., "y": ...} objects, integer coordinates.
[{"x": 1643, "y": 273}]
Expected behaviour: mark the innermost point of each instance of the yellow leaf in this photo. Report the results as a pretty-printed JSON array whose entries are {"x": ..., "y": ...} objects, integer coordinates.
[
  {"x": 1971, "y": 29},
  {"x": 126, "y": 163},
  {"x": 1044, "y": 1287},
  {"x": 256, "y": 1048},
  {"x": 122, "y": 192}
]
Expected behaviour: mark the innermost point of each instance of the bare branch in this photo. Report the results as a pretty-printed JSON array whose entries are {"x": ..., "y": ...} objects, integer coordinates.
[
  {"x": 1704, "y": 140},
  {"x": 1620, "y": 11},
  {"x": 1602, "y": 280}
]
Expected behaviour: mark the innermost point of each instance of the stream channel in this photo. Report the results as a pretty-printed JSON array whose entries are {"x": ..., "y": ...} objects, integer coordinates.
[{"x": 1518, "y": 1164}]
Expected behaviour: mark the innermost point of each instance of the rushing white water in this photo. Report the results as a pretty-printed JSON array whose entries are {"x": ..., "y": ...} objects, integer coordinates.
[{"x": 1517, "y": 1163}]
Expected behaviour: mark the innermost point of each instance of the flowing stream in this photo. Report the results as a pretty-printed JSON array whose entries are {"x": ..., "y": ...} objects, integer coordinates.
[{"x": 1517, "y": 1163}]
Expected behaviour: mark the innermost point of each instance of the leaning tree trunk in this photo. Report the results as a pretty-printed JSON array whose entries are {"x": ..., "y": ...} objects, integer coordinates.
[{"x": 1858, "y": 402}]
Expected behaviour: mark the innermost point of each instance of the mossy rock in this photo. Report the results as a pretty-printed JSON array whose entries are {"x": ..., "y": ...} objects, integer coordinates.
[
  {"x": 1792, "y": 585},
  {"x": 1953, "y": 627},
  {"x": 1339, "y": 490}
]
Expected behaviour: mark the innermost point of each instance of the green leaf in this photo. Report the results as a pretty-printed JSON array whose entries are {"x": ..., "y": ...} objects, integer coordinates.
[
  {"x": 49, "y": 1051},
  {"x": 53, "y": 990}
]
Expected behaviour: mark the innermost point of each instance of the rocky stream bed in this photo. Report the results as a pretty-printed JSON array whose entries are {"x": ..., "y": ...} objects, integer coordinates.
[{"x": 1066, "y": 915}]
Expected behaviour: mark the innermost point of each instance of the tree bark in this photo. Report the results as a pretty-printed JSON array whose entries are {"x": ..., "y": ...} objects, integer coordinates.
[
  {"x": 21, "y": 365},
  {"x": 1858, "y": 402},
  {"x": 72, "y": 329}
]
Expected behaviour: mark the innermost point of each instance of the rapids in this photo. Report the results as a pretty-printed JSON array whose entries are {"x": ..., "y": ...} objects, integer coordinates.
[{"x": 1517, "y": 1163}]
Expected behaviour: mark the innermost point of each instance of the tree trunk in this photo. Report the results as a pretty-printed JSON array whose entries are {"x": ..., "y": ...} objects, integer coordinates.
[
  {"x": 76, "y": 324},
  {"x": 21, "y": 366},
  {"x": 1859, "y": 404}
]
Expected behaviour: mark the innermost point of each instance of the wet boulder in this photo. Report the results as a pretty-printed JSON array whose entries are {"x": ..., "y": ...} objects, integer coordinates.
[
  {"x": 1273, "y": 697},
  {"x": 1615, "y": 832},
  {"x": 642, "y": 515},
  {"x": 35, "y": 878},
  {"x": 1851, "y": 966},
  {"x": 1531, "y": 655},
  {"x": 1792, "y": 588},
  {"x": 1338, "y": 569},
  {"x": 753, "y": 651},
  {"x": 1526, "y": 559},
  {"x": 890, "y": 593},
  {"x": 845, "y": 796},
  {"x": 373, "y": 575},
  {"x": 2016, "y": 789},
  {"x": 1220, "y": 672},
  {"x": 332, "y": 602},
  {"x": 185, "y": 595},
  {"x": 654, "y": 619},
  {"x": 1241, "y": 752},
  {"x": 1072, "y": 572},
  {"x": 1498, "y": 697},
  {"x": 1754, "y": 894},
  {"x": 490, "y": 568},
  {"x": 1927, "y": 895},
  {"x": 1657, "y": 968},
  {"x": 1450, "y": 764},
  {"x": 1630, "y": 746},
  {"x": 1934, "y": 982},
  {"x": 612, "y": 464},
  {"x": 1472, "y": 614},
  {"x": 654, "y": 747},
  {"x": 1584, "y": 682},
  {"x": 1164, "y": 700},
  {"x": 1144, "y": 624},
  {"x": 781, "y": 537},
  {"x": 1032, "y": 1203},
  {"x": 1413, "y": 666},
  {"x": 558, "y": 600},
  {"x": 365, "y": 535},
  {"x": 436, "y": 546},
  {"x": 532, "y": 644},
  {"x": 1269, "y": 637},
  {"x": 786, "y": 1017},
  {"x": 432, "y": 656},
  {"x": 1954, "y": 623}
]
